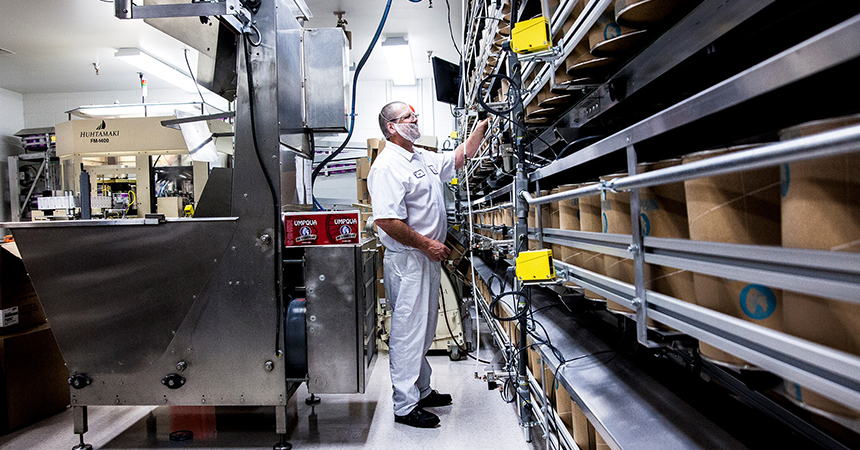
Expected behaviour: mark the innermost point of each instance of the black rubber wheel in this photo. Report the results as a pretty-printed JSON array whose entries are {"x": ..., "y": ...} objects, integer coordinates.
[{"x": 454, "y": 354}]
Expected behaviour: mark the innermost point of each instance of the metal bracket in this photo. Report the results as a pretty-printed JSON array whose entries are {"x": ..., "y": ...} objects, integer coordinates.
[
  {"x": 230, "y": 10},
  {"x": 547, "y": 55},
  {"x": 80, "y": 381}
]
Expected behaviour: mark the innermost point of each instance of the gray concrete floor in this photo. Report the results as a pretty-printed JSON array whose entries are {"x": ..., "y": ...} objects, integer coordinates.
[{"x": 478, "y": 419}]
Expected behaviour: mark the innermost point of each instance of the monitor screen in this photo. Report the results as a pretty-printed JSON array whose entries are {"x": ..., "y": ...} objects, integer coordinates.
[{"x": 447, "y": 78}]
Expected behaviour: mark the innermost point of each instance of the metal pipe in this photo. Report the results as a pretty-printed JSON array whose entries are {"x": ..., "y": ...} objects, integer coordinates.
[
  {"x": 830, "y": 143},
  {"x": 640, "y": 300},
  {"x": 502, "y": 206}
]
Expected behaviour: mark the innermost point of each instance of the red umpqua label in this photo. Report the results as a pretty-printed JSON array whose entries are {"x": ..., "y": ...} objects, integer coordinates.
[{"x": 321, "y": 228}]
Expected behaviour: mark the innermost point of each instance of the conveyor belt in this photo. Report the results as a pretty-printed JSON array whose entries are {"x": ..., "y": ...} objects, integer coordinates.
[{"x": 629, "y": 408}]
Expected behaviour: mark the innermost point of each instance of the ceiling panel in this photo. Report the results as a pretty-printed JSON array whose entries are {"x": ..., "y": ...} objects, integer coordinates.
[{"x": 56, "y": 42}]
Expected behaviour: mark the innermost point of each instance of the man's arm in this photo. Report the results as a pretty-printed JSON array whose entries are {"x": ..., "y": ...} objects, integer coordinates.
[
  {"x": 404, "y": 234},
  {"x": 470, "y": 147}
]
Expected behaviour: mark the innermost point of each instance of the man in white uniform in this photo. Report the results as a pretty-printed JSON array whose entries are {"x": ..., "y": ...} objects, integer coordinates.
[{"x": 406, "y": 187}]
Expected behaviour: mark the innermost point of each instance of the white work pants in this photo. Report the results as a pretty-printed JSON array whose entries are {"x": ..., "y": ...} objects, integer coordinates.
[{"x": 412, "y": 286}]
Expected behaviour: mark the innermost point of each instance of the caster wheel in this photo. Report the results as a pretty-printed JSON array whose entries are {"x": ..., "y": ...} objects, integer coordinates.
[
  {"x": 455, "y": 355},
  {"x": 283, "y": 446},
  {"x": 83, "y": 447}
]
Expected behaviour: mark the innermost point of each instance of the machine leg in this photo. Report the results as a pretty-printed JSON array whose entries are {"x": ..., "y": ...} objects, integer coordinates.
[
  {"x": 79, "y": 417},
  {"x": 312, "y": 400},
  {"x": 281, "y": 428}
]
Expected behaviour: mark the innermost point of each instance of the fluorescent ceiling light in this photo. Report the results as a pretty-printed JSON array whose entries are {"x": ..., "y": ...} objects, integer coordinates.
[
  {"x": 135, "y": 110},
  {"x": 151, "y": 66},
  {"x": 399, "y": 57}
]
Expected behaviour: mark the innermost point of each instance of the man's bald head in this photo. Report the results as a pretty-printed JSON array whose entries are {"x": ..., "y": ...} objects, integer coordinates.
[{"x": 389, "y": 113}]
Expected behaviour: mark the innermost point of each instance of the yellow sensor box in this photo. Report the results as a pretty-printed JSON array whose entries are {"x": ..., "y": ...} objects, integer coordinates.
[
  {"x": 535, "y": 266},
  {"x": 531, "y": 36}
]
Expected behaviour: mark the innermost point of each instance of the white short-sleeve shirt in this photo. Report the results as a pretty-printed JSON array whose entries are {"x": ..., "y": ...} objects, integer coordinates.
[{"x": 409, "y": 186}]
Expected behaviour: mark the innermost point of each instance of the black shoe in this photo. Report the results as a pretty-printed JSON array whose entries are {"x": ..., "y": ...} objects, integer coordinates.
[
  {"x": 418, "y": 418},
  {"x": 435, "y": 399}
]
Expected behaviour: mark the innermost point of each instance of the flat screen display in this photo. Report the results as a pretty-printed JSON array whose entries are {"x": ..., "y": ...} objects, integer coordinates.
[{"x": 447, "y": 78}]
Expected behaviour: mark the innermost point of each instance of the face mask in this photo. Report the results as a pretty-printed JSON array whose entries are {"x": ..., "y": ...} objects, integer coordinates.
[{"x": 408, "y": 131}]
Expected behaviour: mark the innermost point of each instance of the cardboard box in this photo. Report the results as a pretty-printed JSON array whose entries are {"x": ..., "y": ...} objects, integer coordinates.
[
  {"x": 170, "y": 206},
  {"x": 362, "y": 168},
  {"x": 374, "y": 147},
  {"x": 363, "y": 194},
  {"x": 34, "y": 378},
  {"x": 19, "y": 306},
  {"x": 321, "y": 228}
]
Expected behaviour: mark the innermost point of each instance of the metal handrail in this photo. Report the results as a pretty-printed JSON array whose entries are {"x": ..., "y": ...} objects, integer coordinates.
[{"x": 830, "y": 143}]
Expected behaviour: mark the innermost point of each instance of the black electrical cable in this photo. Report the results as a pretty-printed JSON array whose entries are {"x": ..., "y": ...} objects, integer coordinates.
[
  {"x": 527, "y": 132},
  {"x": 578, "y": 141},
  {"x": 506, "y": 387},
  {"x": 354, "y": 86},
  {"x": 517, "y": 99},
  {"x": 277, "y": 228},
  {"x": 512, "y": 86},
  {"x": 451, "y": 30},
  {"x": 490, "y": 284},
  {"x": 518, "y": 313}
]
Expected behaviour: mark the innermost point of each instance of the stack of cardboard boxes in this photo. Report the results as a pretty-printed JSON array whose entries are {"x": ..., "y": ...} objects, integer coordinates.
[
  {"x": 33, "y": 375},
  {"x": 362, "y": 170}
]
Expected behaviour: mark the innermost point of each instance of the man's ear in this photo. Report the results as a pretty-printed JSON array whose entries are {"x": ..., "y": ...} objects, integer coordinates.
[{"x": 391, "y": 129}]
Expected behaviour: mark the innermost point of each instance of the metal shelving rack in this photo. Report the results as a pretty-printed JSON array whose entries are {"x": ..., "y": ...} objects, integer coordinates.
[{"x": 828, "y": 274}]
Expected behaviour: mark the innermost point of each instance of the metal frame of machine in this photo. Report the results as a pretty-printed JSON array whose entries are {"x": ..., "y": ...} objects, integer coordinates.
[{"x": 204, "y": 316}]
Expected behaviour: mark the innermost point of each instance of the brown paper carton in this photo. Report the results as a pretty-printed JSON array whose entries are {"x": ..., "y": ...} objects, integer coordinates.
[
  {"x": 663, "y": 213},
  {"x": 738, "y": 208},
  {"x": 583, "y": 431},
  {"x": 34, "y": 377},
  {"x": 590, "y": 220},
  {"x": 615, "y": 213},
  {"x": 821, "y": 211},
  {"x": 20, "y": 308},
  {"x": 374, "y": 147},
  {"x": 569, "y": 220},
  {"x": 555, "y": 222}
]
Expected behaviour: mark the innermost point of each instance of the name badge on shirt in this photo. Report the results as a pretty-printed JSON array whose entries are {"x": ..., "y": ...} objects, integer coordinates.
[
  {"x": 432, "y": 169},
  {"x": 419, "y": 173}
]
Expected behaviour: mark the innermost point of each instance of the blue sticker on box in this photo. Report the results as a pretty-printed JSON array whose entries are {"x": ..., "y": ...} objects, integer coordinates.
[{"x": 758, "y": 302}]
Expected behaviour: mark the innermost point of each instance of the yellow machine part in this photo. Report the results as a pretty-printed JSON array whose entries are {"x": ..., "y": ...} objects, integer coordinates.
[
  {"x": 535, "y": 266},
  {"x": 531, "y": 36}
]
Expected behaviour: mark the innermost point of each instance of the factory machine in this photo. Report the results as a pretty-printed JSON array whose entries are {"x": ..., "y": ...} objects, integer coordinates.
[
  {"x": 212, "y": 309},
  {"x": 663, "y": 223}
]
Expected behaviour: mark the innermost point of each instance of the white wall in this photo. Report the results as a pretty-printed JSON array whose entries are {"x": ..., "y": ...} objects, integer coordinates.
[
  {"x": 47, "y": 110},
  {"x": 434, "y": 119},
  {"x": 11, "y": 121}
]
